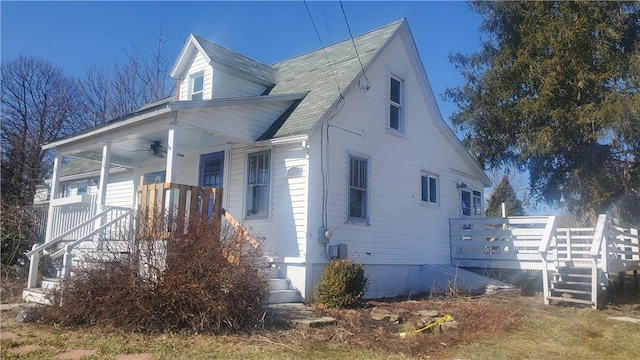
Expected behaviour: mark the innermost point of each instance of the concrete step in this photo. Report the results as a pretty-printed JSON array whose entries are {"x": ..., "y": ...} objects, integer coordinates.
[
  {"x": 284, "y": 296},
  {"x": 35, "y": 295},
  {"x": 272, "y": 272},
  {"x": 50, "y": 283},
  {"x": 278, "y": 284}
]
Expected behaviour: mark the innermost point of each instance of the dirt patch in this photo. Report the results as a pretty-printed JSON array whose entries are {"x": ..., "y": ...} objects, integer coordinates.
[
  {"x": 378, "y": 325},
  {"x": 11, "y": 288}
]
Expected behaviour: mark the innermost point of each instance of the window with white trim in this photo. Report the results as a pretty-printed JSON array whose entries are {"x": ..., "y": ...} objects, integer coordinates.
[
  {"x": 197, "y": 86},
  {"x": 396, "y": 100},
  {"x": 471, "y": 202},
  {"x": 358, "y": 186},
  {"x": 258, "y": 179},
  {"x": 429, "y": 188}
]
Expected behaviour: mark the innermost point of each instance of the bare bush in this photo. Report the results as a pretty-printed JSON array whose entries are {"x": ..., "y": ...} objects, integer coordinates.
[{"x": 205, "y": 279}]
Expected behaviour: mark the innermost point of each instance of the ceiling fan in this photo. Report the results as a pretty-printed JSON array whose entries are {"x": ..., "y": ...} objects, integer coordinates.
[{"x": 157, "y": 150}]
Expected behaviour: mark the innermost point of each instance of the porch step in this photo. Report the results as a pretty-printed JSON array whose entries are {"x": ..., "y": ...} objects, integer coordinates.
[
  {"x": 278, "y": 284},
  {"x": 35, "y": 295},
  {"x": 284, "y": 296},
  {"x": 572, "y": 291},
  {"x": 571, "y": 283},
  {"x": 568, "y": 299},
  {"x": 280, "y": 290}
]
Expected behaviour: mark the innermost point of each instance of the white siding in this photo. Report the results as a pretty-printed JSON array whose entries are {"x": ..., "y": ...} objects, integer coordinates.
[
  {"x": 401, "y": 229},
  {"x": 198, "y": 64},
  {"x": 120, "y": 190},
  {"x": 285, "y": 230},
  {"x": 227, "y": 85},
  {"x": 219, "y": 81}
]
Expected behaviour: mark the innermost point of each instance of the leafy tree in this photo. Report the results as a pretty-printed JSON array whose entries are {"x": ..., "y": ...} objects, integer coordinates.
[
  {"x": 554, "y": 90},
  {"x": 504, "y": 193},
  {"x": 39, "y": 104}
]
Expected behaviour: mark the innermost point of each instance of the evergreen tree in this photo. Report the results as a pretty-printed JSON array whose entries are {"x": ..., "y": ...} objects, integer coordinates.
[
  {"x": 504, "y": 193},
  {"x": 555, "y": 90}
]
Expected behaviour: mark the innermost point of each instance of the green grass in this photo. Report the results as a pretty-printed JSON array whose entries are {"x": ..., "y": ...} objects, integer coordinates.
[{"x": 564, "y": 333}]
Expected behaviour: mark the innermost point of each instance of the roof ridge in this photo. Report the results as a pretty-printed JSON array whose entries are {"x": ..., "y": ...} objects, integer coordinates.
[
  {"x": 395, "y": 23},
  {"x": 200, "y": 38}
]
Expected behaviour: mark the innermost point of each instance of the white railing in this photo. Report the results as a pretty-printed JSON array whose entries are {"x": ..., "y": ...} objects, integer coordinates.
[
  {"x": 510, "y": 243},
  {"x": 69, "y": 212},
  {"x": 114, "y": 223},
  {"x": 535, "y": 243}
]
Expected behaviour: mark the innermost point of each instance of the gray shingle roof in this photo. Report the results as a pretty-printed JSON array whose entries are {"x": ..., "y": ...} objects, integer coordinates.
[
  {"x": 311, "y": 72},
  {"x": 232, "y": 59}
]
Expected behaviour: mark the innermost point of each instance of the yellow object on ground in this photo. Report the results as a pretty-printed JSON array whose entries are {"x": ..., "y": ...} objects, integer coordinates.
[{"x": 438, "y": 322}]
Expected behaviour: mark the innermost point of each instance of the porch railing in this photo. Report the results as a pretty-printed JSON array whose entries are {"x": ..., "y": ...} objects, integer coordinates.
[
  {"x": 70, "y": 212},
  {"x": 179, "y": 201},
  {"x": 115, "y": 223}
]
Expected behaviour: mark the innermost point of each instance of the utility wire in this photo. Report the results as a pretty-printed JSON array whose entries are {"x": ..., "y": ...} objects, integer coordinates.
[
  {"x": 335, "y": 77},
  {"x": 368, "y": 84}
]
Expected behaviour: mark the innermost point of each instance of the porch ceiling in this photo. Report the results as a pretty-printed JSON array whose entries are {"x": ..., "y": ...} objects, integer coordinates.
[{"x": 130, "y": 151}]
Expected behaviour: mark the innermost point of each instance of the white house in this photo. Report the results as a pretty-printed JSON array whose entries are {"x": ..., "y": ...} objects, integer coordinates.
[{"x": 312, "y": 152}]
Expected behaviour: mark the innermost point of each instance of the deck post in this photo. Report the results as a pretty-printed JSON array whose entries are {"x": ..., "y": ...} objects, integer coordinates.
[
  {"x": 67, "y": 262},
  {"x": 545, "y": 243},
  {"x": 33, "y": 268}
]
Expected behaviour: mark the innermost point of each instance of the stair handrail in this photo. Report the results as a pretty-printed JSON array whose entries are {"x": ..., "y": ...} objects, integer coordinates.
[
  {"x": 67, "y": 261},
  {"x": 545, "y": 245},
  {"x": 33, "y": 254},
  {"x": 72, "y": 245},
  {"x": 58, "y": 238},
  {"x": 598, "y": 250},
  {"x": 599, "y": 238}
]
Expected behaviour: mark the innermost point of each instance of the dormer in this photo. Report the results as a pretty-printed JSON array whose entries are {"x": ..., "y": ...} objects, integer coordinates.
[{"x": 206, "y": 71}]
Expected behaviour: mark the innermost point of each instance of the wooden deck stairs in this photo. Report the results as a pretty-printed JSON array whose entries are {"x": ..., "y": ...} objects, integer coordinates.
[{"x": 577, "y": 264}]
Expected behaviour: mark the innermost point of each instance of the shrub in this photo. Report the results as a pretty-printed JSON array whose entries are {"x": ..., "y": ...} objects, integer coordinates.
[
  {"x": 181, "y": 282},
  {"x": 342, "y": 284},
  {"x": 16, "y": 234}
]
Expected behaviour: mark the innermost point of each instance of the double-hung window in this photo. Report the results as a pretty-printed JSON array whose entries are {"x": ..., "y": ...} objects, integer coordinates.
[
  {"x": 197, "y": 86},
  {"x": 471, "y": 202},
  {"x": 396, "y": 97},
  {"x": 358, "y": 187},
  {"x": 258, "y": 179},
  {"x": 429, "y": 188}
]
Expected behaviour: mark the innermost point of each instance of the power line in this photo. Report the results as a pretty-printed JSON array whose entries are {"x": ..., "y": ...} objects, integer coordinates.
[
  {"x": 335, "y": 77},
  {"x": 368, "y": 84}
]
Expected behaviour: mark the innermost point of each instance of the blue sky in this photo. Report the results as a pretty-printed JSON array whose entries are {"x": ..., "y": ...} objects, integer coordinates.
[{"x": 77, "y": 35}]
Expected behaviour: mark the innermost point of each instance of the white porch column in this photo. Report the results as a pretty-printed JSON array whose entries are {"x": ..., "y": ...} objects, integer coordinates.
[
  {"x": 170, "y": 175},
  {"x": 104, "y": 175},
  {"x": 171, "y": 154},
  {"x": 55, "y": 185}
]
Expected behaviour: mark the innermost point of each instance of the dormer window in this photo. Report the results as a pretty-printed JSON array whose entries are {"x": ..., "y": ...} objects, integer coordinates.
[{"x": 197, "y": 86}]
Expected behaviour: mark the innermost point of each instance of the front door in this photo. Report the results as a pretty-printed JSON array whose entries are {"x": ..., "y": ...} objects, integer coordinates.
[
  {"x": 211, "y": 169},
  {"x": 211, "y": 173}
]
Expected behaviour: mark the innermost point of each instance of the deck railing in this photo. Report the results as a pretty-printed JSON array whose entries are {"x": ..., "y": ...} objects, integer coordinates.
[{"x": 510, "y": 243}]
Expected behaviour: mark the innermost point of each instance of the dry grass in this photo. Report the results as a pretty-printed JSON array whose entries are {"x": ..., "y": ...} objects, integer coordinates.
[{"x": 487, "y": 328}]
